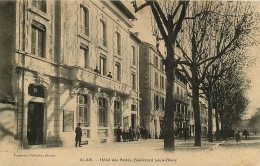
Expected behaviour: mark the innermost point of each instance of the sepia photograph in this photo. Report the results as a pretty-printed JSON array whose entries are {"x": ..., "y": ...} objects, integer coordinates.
[{"x": 129, "y": 82}]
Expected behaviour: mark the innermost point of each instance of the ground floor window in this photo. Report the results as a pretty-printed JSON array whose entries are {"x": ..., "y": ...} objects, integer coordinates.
[
  {"x": 83, "y": 110},
  {"x": 117, "y": 114},
  {"x": 102, "y": 112}
]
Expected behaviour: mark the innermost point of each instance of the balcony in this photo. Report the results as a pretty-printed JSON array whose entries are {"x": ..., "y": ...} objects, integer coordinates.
[
  {"x": 183, "y": 99},
  {"x": 92, "y": 78},
  {"x": 180, "y": 117}
]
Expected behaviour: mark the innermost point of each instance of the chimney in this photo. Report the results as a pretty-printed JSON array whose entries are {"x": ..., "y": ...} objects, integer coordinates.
[{"x": 136, "y": 34}]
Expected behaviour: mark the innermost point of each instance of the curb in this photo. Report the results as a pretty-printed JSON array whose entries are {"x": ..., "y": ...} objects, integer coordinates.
[{"x": 215, "y": 146}]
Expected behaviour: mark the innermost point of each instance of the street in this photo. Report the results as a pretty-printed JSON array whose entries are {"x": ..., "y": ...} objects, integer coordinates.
[
  {"x": 250, "y": 142},
  {"x": 142, "y": 152}
]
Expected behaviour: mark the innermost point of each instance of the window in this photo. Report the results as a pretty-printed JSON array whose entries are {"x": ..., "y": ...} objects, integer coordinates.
[
  {"x": 102, "y": 112},
  {"x": 133, "y": 107},
  {"x": 133, "y": 81},
  {"x": 156, "y": 60},
  {"x": 118, "y": 71},
  {"x": 157, "y": 102},
  {"x": 102, "y": 65},
  {"x": 39, "y": 4},
  {"x": 133, "y": 55},
  {"x": 178, "y": 90},
  {"x": 162, "y": 82},
  {"x": 118, "y": 43},
  {"x": 156, "y": 79},
  {"x": 104, "y": 33},
  {"x": 83, "y": 57},
  {"x": 161, "y": 65},
  {"x": 83, "y": 110},
  {"x": 117, "y": 114},
  {"x": 84, "y": 20},
  {"x": 38, "y": 39},
  {"x": 163, "y": 104},
  {"x": 36, "y": 91}
]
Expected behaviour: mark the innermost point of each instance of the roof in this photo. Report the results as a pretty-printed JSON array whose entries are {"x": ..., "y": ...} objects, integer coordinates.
[
  {"x": 135, "y": 37},
  {"x": 123, "y": 9},
  {"x": 153, "y": 47}
]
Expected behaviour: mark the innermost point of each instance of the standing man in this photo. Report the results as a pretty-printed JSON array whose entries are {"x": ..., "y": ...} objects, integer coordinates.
[
  {"x": 78, "y": 132},
  {"x": 118, "y": 134}
]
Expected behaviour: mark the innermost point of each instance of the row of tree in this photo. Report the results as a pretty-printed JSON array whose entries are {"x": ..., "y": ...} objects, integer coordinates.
[{"x": 207, "y": 41}]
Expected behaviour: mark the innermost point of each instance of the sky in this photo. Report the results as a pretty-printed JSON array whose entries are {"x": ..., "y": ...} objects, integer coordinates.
[{"x": 143, "y": 26}]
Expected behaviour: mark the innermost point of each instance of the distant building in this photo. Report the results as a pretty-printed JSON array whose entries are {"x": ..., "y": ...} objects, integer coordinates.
[
  {"x": 69, "y": 62},
  {"x": 153, "y": 93},
  {"x": 152, "y": 90}
]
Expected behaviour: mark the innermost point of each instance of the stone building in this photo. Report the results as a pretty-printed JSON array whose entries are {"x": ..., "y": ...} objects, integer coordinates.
[
  {"x": 183, "y": 116},
  {"x": 153, "y": 93},
  {"x": 152, "y": 90},
  {"x": 69, "y": 62}
]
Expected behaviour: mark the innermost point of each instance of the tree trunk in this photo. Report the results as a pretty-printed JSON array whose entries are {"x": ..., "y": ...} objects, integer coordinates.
[
  {"x": 222, "y": 126},
  {"x": 170, "y": 107},
  {"x": 217, "y": 125},
  {"x": 196, "y": 107},
  {"x": 210, "y": 127}
]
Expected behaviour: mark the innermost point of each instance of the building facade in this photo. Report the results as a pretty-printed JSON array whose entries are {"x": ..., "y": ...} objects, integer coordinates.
[
  {"x": 70, "y": 62},
  {"x": 152, "y": 90},
  {"x": 183, "y": 115},
  {"x": 153, "y": 94}
]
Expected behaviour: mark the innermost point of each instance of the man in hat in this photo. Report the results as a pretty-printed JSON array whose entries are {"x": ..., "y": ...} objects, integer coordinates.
[{"x": 78, "y": 132}]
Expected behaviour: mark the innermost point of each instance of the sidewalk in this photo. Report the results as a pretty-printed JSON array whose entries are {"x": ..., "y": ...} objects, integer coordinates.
[
  {"x": 251, "y": 141},
  {"x": 141, "y": 145},
  {"x": 143, "y": 152}
]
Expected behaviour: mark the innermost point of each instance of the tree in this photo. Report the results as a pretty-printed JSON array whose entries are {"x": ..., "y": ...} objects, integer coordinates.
[
  {"x": 216, "y": 26},
  {"x": 219, "y": 30},
  {"x": 229, "y": 98},
  {"x": 254, "y": 121},
  {"x": 169, "y": 16}
]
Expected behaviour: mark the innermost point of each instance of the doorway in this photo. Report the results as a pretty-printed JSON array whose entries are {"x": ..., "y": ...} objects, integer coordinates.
[
  {"x": 35, "y": 123},
  {"x": 133, "y": 121}
]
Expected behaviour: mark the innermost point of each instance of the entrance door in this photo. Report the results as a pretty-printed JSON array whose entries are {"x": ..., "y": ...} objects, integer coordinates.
[
  {"x": 35, "y": 123},
  {"x": 133, "y": 120},
  {"x": 161, "y": 127}
]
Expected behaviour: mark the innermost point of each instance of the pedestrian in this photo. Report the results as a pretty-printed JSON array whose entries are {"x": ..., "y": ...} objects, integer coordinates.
[
  {"x": 124, "y": 135},
  {"x": 237, "y": 136},
  {"x": 78, "y": 132},
  {"x": 127, "y": 134},
  {"x": 130, "y": 135},
  {"x": 185, "y": 134},
  {"x": 145, "y": 133},
  {"x": 142, "y": 133},
  {"x": 137, "y": 132},
  {"x": 118, "y": 134}
]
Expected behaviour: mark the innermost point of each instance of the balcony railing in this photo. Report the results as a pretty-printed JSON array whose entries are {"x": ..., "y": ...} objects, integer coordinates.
[
  {"x": 99, "y": 80},
  {"x": 183, "y": 99},
  {"x": 40, "y": 4},
  {"x": 181, "y": 117}
]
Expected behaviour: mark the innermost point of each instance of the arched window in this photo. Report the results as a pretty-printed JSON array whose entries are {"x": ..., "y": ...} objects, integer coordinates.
[
  {"x": 133, "y": 55},
  {"x": 118, "y": 43},
  {"x": 117, "y": 113},
  {"x": 36, "y": 91},
  {"x": 83, "y": 110},
  {"x": 84, "y": 20},
  {"x": 104, "y": 33},
  {"x": 102, "y": 112}
]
